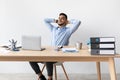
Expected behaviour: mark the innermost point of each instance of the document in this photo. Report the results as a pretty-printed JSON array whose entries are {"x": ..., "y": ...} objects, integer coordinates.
[
  {"x": 4, "y": 51},
  {"x": 69, "y": 50}
]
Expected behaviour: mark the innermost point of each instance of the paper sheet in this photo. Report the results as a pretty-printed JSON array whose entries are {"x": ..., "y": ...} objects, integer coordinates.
[
  {"x": 4, "y": 51},
  {"x": 69, "y": 50}
]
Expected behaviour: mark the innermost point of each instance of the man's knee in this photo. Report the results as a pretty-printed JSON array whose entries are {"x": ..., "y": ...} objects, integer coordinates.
[
  {"x": 49, "y": 63},
  {"x": 32, "y": 63}
]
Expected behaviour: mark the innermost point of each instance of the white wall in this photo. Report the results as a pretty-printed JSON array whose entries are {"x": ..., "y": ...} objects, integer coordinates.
[{"x": 99, "y": 18}]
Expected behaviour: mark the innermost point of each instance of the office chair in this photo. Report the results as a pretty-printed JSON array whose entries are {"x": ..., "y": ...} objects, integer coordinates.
[{"x": 55, "y": 65}]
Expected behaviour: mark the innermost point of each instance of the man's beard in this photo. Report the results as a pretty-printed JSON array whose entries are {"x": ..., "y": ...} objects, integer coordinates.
[{"x": 61, "y": 24}]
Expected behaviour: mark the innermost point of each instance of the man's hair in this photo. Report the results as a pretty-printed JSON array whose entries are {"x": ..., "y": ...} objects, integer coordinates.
[{"x": 63, "y": 15}]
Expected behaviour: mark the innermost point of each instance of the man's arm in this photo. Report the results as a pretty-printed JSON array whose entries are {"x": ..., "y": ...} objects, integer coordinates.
[
  {"x": 48, "y": 22},
  {"x": 76, "y": 24}
]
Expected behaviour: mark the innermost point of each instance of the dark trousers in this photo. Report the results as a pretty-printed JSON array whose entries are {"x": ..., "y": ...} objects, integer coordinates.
[{"x": 36, "y": 68}]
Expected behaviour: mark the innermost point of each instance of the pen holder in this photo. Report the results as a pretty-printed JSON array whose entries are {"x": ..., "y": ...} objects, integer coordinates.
[{"x": 13, "y": 47}]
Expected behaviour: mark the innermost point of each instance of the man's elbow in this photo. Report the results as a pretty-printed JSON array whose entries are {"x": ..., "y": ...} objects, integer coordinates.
[
  {"x": 79, "y": 22},
  {"x": 49, "y": 20},
  {"x": 46, "y": 20}
]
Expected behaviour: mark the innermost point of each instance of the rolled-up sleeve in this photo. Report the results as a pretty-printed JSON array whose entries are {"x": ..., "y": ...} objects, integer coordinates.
[
  {"x": 48, "y": 22},
  {"x": 76, "y": 24}
]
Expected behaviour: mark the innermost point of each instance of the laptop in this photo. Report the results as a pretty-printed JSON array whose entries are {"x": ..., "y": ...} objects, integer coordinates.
[{"x": 31, "y": 43}]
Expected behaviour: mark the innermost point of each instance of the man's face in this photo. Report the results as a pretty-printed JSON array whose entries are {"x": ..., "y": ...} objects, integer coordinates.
[{"x": 62, "y": 20}]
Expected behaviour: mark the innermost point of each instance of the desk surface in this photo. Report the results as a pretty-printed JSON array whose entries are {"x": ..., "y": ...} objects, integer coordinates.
[{"x": 51, "y": 55}]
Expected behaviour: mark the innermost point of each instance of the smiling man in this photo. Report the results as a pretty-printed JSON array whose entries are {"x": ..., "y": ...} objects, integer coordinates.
[{"x": 60, "y": 37}]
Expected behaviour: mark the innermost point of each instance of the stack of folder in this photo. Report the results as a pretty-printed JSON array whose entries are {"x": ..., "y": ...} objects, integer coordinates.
[{"x": 102, "y": 45}]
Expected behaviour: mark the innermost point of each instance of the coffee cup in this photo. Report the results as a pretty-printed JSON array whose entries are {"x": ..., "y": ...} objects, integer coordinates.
[{"x": 79, "y": 45}]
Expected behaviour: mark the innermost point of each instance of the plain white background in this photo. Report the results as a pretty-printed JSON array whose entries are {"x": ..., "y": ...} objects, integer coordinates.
[{"x": 25, "y": 17}]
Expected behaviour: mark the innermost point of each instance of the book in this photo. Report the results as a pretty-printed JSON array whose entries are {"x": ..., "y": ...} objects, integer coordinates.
[
  {"x": 102, "y": 46},
  {"x": 98, "y": 51},
  {"x": 102, "y": 39}
]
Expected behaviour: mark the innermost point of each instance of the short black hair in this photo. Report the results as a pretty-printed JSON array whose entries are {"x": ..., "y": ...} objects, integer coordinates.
[{"x": 63, "y": 15}]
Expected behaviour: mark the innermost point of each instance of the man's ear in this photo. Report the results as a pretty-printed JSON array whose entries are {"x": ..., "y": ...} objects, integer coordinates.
[{"x": 67, "y": 22}]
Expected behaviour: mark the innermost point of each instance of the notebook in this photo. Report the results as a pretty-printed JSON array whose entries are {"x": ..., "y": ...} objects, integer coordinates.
[
  {"x": 31, "y": 43},
  {"x": 69, "y": 50}
]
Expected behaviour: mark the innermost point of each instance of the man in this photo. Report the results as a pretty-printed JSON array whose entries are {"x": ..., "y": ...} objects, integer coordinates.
[{"x": 60, "y": 37}]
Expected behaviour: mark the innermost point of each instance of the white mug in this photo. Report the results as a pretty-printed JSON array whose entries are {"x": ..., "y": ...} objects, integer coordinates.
[{"x": 79, "y": 45}]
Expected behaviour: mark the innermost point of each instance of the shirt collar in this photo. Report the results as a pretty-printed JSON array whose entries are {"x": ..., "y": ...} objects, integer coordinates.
[{"x": 64, "y": 27}]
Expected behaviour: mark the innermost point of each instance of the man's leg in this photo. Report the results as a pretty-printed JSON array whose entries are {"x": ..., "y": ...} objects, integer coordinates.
[
  {"x": 49, "y": 67},
  {"x": 37, "y": 70}
]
